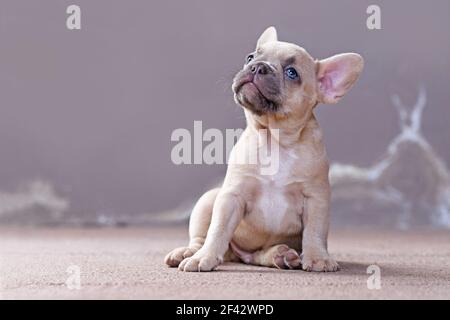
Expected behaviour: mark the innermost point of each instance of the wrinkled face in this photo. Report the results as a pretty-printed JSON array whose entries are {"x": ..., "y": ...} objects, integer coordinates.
[
  {"x": 282, "y": 79},
  {"x": 278, "y": 77}
]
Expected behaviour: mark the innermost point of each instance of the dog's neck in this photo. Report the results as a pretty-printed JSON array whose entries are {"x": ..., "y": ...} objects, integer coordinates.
[{"x": 289, "y": 130}]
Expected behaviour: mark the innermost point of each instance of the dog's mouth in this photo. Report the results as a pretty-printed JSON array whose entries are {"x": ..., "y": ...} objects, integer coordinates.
[
  {"x": 248, "y": 94},
  {"x": 254, "y": 86}
]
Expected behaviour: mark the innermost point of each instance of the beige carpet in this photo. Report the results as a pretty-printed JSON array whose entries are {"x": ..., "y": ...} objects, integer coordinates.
[{"x": 128, "y": 264}]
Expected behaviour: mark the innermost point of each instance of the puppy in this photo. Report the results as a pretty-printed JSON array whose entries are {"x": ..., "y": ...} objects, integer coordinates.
[{"x": 279, "y": 219}]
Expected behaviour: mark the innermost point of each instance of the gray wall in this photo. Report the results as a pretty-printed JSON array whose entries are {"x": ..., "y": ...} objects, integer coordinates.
[{"x": 92, "y": 111}]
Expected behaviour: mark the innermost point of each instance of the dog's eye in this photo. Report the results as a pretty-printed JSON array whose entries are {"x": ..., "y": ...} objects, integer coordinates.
[
  {"x": 291, "y": 73},
  {"x": 249, "y": 58}
]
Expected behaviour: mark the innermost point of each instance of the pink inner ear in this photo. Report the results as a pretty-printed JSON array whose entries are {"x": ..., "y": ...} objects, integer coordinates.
[
  {"x": 325, "y": 84},
  {"x": 336, "y": 79},
  {"x": 337, "y": 74},
  {"x": 333, "y": 80}
]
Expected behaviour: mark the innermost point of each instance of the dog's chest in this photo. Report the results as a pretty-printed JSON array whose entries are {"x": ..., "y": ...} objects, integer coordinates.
[{"x": 279, "y": 205}]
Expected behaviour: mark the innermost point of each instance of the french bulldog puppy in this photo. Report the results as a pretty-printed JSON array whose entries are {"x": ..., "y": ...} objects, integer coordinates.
[{"x": 279, "y": 219}]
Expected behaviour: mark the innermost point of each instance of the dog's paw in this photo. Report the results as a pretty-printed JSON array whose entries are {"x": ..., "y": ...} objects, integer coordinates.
[
  {"x": 174, "y": 258},
  {"x": 318, "y": 263},
  {"x": 200, "y": 262},
  {"x": 286, "y": 258}
]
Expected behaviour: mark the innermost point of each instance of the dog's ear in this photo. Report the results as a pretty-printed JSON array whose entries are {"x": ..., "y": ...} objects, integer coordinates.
[
  {"x": 336, "y": 75},
  {"x": 269, "y": 35}
]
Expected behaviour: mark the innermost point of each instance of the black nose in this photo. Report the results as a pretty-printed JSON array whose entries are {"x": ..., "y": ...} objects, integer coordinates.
[{"x": 260, "y": 68}]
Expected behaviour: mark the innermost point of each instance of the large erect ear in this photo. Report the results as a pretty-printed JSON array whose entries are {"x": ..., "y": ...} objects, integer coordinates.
[
  {"x": 337, "y": 74},
  {"x": 269, "y": 35}
]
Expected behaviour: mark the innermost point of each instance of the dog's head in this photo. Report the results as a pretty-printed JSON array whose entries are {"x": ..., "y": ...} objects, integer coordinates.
[{"x": 282, "y": 79}]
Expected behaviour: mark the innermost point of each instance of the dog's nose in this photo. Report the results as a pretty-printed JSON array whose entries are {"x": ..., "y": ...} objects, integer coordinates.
[{"x": 260, "y": 68}]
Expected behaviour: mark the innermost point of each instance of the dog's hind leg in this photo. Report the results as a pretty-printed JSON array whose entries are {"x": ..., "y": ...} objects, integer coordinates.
[
  {"x": 280, "y": 256},
  {"x": 198, "y": 228}
]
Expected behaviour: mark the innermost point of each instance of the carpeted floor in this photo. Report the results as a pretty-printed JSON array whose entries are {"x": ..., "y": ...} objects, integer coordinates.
[{"x": 128, "y": 264}]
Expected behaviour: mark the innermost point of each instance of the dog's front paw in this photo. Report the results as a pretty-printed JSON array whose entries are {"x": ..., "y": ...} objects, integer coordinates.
[
  {"x": 319, "y": 263},
  {"x": 200, "y": 262}
]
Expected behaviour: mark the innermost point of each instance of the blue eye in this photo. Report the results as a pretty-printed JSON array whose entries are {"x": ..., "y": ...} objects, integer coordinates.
[{"x": 291, "y": 73}]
